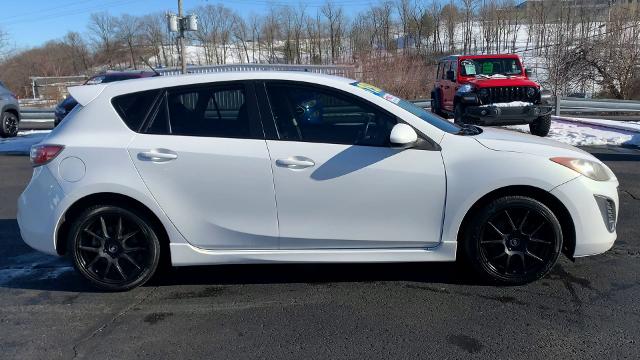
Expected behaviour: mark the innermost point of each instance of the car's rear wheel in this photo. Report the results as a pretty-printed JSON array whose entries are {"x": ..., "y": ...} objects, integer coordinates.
[
  {"x": 513, "y": 240},
  {"x": 9, "y": 125},
  {"x": 541, "y": 126},
  {"x": 114, "y": 248}
]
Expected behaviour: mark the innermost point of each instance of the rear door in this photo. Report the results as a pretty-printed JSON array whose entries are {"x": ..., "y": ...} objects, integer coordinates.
[{"x": 203, "y": 156}]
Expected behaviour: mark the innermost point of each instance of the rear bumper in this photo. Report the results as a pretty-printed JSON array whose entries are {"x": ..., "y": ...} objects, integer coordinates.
[
  {"x": 582, "y": 197},
  {"x": 512, "y": 115},
  {"x": 38, "y": 211}
]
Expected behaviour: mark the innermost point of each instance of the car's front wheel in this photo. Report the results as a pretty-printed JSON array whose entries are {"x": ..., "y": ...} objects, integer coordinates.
[
  {"x": 513, "y": 240},
  {"x": 9, "y": 125},
  {"x": 114, "y": 248}
]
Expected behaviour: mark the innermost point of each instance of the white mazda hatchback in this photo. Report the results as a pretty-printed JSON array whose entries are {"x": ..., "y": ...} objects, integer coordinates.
[{"x": 263, "y": 167}]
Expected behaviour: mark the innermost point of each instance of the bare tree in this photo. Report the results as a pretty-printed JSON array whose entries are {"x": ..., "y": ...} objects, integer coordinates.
[
  {"x": 336, "y": 22},
  {"x": 102, "y": 27},
  {"x": 129, "y": 32}
]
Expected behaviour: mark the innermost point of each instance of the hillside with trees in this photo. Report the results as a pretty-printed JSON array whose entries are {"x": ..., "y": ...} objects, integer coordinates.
[{"x": 585, "y": 46}]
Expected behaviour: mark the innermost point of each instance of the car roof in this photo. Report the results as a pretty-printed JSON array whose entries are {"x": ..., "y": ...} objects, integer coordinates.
[{"x": 86, "y": 93}]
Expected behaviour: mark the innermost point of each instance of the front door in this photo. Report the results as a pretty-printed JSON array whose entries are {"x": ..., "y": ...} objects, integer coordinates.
[
  {"x": 338, "y": 182},
  {"x": 204, "y": 159}
]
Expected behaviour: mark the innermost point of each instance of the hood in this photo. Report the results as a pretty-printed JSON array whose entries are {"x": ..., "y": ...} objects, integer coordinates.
[
  {"x": 495, "y": 81},
  {"x": 513, "y": 141}
]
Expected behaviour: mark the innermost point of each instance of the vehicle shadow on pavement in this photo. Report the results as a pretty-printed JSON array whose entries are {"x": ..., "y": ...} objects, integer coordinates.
[{"x": 445, "y": 273}]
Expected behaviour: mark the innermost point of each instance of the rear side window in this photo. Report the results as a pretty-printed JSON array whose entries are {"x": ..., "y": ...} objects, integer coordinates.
[
  {"x": 213, "y": 111},
  {"x": 134, "y": 108}
]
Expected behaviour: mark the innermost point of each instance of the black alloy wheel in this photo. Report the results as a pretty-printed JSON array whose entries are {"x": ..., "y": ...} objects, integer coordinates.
[
  {"x": 513, "y": 240},
  {"x": 9, "y": 125},
  {"x": 114, "y": 248}
]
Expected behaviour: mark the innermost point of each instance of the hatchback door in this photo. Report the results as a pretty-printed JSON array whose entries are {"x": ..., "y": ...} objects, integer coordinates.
[
  {"x": 203, "y": 156},
  {"x": 338, "y": 182}
]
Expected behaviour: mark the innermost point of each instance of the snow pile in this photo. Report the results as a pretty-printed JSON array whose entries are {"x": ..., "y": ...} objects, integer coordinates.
[
  {"x": 581, "y": 134},
  {"x": 509, "y": 104},
  {"x": 21, "y": 144}
]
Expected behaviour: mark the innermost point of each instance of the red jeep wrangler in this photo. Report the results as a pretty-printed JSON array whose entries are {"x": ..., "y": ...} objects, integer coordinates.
[{"x": 490, "y": 90}]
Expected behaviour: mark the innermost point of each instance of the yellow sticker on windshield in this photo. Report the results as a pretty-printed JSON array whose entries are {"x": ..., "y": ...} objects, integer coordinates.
[{"x": 369, "y": 87}]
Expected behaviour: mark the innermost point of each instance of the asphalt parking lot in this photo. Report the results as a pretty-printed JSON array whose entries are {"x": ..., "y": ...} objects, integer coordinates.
[{"x": 582, "y": 310}]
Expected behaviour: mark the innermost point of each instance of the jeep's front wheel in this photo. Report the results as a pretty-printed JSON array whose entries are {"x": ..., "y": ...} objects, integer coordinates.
[{"x": 541, "y": 126}]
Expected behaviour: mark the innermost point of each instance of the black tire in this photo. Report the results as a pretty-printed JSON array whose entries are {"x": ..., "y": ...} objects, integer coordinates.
[
  {"x": 115, "y": 263},
  {"x": 9, "y": 125},
  {"x": 458, "y": 117},
  {"x": 512, "y": 240},
  {"x": 435, "y": 105},
  {"x": 541, "y": 126}
]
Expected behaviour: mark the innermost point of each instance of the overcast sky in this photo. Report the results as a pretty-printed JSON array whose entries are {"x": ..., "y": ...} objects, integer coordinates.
[{"x": 33, "y": 22}]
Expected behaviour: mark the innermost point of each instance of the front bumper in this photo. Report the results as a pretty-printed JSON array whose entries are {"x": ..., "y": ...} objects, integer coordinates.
[
  {"x": 508, "y": 115},
  {"x": 38, "y": 211},
  {"x": 582, "y": 197}
]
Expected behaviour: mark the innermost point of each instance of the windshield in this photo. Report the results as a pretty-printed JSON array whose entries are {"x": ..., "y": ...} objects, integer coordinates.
[
  {"x": 423, "y": 114},
  {"x": 489, "y": 67}
]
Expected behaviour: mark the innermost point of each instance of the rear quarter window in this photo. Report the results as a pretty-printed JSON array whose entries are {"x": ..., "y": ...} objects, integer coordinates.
[{"x": 134, "y": 108}]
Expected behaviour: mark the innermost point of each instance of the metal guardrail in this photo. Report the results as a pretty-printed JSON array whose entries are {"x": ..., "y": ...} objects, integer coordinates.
[
  {"x": 36, "y": 113},
  {"x": 578, "y": 105}
]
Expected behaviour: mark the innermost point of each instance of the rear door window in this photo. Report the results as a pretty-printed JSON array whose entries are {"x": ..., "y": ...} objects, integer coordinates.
[{"x": 213, "y": 111}]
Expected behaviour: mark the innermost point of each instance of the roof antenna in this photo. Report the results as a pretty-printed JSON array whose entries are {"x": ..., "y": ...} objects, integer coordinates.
[{"x": 149, "y": 65}]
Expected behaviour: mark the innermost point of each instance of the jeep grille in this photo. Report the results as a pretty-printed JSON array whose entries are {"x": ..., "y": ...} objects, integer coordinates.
[{"x": 506, "y": 94}]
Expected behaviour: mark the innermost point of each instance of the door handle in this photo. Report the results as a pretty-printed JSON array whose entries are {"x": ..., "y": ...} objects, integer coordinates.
[
  {"x": 295, "y": 162},
  {"x": 158, "y": 155}
]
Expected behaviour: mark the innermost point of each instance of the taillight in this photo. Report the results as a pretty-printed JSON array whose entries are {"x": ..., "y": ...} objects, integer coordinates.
[{"x": 43, "y": 153}]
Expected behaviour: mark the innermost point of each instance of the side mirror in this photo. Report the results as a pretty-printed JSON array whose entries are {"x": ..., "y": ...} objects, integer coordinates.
[
  {"x": 527, "y": 72},
  {"x": 451, "y": 76},
  {"x": 403, "y": 136}
]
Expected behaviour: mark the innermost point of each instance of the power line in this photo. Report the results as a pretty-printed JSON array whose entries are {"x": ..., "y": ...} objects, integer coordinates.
[
  {"x": 52, "y": 16},
  {"x": 45, "y": 10}
]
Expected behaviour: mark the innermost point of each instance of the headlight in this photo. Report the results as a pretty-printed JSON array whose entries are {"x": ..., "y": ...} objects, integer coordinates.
[
  {"x": 588, "y": 168},
  {"x": 531, "y": 92},
  {"x": 465, "y": 88}
]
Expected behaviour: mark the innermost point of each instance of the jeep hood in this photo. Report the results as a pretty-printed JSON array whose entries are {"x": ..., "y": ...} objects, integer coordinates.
[
  {"x": 497, "y": 81},
  {"x": 513, "y": 141}
]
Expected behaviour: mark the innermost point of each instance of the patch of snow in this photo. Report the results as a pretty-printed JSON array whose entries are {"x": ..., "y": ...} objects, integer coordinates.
[
  {"x": 33, "y": 266},
  {"x": 509, "y": 104},
  {"x": 22, "y": 143},
  {"x": 633, "y": 126},
  {"x": 580, "y": 134}
]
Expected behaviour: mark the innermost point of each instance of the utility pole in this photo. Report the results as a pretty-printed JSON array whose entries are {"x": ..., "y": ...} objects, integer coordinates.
[
  {"x": 181, "y": 24},
  {"x": 183, "y": 58}
]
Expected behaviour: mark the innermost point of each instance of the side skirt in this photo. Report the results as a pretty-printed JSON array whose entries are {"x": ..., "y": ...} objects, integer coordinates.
[{"x": 187, "y": 255}]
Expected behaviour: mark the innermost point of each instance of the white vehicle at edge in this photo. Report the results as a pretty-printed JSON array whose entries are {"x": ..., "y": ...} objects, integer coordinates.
[{"x": 262, "y": 167}]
